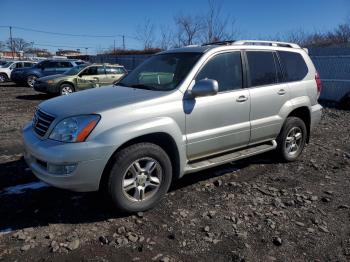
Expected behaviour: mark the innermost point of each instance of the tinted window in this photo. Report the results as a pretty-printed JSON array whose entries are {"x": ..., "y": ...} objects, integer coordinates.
[
  {"x": 79, "y": 63},
  {"x": 100, "y": 70},
  {"x": 294, "y": 65},
  {"x": 93, "y": 70},
  {"x": 28, "y": 64},
  {"x": 226, "y": 69},
  {"x": 51, "y": 64},
  {"x": 65, "y": 64},
  {"x": 262, "y": 69},
  {"x": 19, "y": 65}
]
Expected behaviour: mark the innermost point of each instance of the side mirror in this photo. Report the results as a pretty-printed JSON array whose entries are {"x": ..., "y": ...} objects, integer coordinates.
[{"x": 204, "y": 87}]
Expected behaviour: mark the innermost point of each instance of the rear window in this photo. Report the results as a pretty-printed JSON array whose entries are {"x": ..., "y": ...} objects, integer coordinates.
[
  {"x": 114, "y": 70},
  {"x": 262, "y": 68},
  {"x": 294, "y": 65}
]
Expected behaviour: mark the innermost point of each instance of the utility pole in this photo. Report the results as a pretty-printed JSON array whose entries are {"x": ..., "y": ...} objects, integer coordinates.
[
  {"x": 86, "y": 48},
  {"x": 12, "y": 49},
  {"x": 124, "y": 42},
  {"x": 114, "y": 46}
]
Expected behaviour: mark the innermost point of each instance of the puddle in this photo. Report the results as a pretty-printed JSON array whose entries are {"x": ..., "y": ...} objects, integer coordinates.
[{"x": 20, "y": 189}]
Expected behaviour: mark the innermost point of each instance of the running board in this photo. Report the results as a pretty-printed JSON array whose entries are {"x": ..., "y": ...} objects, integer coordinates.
[{"x": 223, "y": 159}]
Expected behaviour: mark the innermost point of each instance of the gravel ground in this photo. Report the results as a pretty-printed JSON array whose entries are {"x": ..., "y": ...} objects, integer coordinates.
[{"x": 251, "y": 210}]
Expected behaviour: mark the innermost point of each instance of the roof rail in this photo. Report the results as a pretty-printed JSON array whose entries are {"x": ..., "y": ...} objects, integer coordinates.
[
  {"x": 225, "y": 42},
  {"x": 266, "y": 43}
]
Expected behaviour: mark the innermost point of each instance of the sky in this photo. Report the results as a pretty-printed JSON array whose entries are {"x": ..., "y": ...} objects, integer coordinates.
[{"x": 254, "y": 19}]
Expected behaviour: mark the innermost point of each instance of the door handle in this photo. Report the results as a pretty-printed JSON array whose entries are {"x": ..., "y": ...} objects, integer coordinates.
[
  {"x": 242, "y": 99},
  {"x": 281, "y": 92}
]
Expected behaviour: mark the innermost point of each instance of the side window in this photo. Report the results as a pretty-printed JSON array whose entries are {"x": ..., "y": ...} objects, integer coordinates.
[
  {"x": 65, "y": 64},
  {"x": 294, "y": 65},
  {"x": 26, "y": 64},
  {"x": 225, "y": 68},
  {"x": 19, "y": 65},
  {"x": 262, "y": 68},
  {"x": 52, "y": 64},
  {"x": 92, "y": 70},
  {"x": 114, "y": 70},
  {"x": 100, "y": 70}
]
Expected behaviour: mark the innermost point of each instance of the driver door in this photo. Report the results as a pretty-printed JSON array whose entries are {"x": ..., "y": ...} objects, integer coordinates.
[
  {"x": 89, "y": 78},
  {"x": 220, "y": 122}
]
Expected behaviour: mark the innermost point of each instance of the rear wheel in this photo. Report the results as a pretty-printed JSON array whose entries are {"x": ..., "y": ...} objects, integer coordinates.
[
  {"x": 31, "y": 80},
  {"x": 140, "y": 177},
  {"x": 66, "y": 89},
  {"x": 291, "y": 140},
  {"x": 3, "y": 78}
]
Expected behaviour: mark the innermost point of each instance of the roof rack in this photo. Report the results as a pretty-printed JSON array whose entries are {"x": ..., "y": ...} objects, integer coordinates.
[
  {"x": 225, "y": 42},
  {"x": 266, "y": 43},
  {"x": 254, "y": 42}
]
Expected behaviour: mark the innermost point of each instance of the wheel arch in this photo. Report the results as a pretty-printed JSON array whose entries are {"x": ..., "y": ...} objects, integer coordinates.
[
  {"x": 304, "y": 114},
  {"x": 162, "y": 139}
]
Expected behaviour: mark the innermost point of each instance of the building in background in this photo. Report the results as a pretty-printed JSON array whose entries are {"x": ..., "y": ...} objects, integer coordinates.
[{"x": 68, "y": 53}]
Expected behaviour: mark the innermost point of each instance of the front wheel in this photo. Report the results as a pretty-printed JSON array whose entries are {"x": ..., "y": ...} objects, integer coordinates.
[
  {"x": 3, "y": 78},
  {"x": 31, "y": 80},
  {"x": 66, "y": 89},
  {"x": 140, "y": 176},
  {"x": 292, "y": 139}
]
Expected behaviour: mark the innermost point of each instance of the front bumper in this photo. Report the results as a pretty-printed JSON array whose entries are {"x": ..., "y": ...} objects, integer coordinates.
[
  {"x": 90, "y": 159},
  {"x": 45, "y": 87}
]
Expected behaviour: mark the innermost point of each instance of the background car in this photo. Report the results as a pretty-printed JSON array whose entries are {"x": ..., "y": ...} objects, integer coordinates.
[
  {"x": 6, "y": 69},
  {"x": 44, "y": 68},
  {"x": 80, "y": 77}
]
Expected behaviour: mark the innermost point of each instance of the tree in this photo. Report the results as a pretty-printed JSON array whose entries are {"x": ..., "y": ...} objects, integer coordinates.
[
  {"x": 216, "y": 25},
  {"x": 188, "y": 29},
  {"x": 145, "y": 34},
  {"x": 19, "y": 44},
  {"x": 166, "y": 38}
]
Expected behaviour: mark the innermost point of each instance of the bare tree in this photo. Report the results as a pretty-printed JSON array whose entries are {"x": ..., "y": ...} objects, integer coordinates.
[
  {"x": 145, "y": 33},
  {"x": 217, "y": 27},
  {"x": 188, "y": 29},
  {"x": 19, "y": 44},
  {"x": 2, "y": 46},
  {"x": 298, "y": 36},
  {"x": 166, "y": 37}
]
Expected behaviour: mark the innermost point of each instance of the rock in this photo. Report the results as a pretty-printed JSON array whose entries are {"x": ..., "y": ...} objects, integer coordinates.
[
  {"x": 140, "y": 214},
  {"x": 121, "y": 230},
  {"x": 183, "y": 214},
  {"x": 25, "y": 248},
  {"x": 314, "y": 198},
  {"x": 211, "y": 213},
  {"x": 218, "y": 183},
  {"x": 164, "y": 259},
  {"x": 329, "y": 192},
  {"x": 326, "y": 199},
  {"x": 323, "y": 229},
  {"x": 206, "y": 229},
  {"x": 20, "y": 236},
  {"x": 157, "y": 257},
  {"x": 344, "y": 207},
  {"x": 299, "y": 224},
  {"x": 103, "y": 240},
  {"x": 277, "y": 241},
  {"x": 310, "y": 230},
  {"x": 74, "y": 244},
  {"x": 49, "y": 236},
  {"x": 133, "y": 237}
]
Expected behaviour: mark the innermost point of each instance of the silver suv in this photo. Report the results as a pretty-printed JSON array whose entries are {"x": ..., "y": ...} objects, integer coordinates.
[{"x": 179, "y": 112}]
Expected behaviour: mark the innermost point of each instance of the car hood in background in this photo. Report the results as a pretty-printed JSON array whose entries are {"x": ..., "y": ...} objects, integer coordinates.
[{"x": 96, "y": 100}]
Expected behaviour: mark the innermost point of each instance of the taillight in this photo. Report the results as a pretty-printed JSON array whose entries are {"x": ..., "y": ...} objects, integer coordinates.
[{"x": 318, "y": 82}]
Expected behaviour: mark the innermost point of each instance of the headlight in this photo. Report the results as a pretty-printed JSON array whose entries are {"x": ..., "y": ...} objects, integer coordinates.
[
  {"x": 74, "y": 129},
  {"x": 49, "y": 81}
]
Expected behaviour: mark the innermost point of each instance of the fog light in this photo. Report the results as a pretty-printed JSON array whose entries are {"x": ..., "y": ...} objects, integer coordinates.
[{"x": 60, "y": 169}]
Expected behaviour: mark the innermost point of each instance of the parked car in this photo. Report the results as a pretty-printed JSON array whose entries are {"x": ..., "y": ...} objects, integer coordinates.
[
  {"x": 29, "y": 75},
  {"x": 198, "y": 107},
  {"x": 79, "y": 78},
  {"x": 6, "y": 69},
  {"x": 3, "y": 62}
]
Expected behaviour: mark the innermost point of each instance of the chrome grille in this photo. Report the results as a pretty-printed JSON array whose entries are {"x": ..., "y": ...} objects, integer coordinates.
[{"x": 41, "y": 122}]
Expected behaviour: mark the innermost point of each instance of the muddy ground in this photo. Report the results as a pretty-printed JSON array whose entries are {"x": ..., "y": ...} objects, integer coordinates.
[{"x": 251, "y": 210}]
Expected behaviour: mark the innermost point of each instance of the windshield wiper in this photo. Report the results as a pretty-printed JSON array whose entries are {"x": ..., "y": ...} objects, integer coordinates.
[{"x": 142, "y": 86}]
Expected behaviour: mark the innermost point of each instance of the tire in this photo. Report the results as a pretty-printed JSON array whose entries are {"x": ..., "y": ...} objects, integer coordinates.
[
  {"x": 3, "y": 78},
  {"x": 292, "y": 139},
  {"x": 124, "y": 172},
  {"x": 31, "y": 80},
  {"x": 66, "y": 89}
]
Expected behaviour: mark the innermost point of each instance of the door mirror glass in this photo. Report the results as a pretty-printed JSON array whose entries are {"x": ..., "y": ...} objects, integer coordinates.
[{"x": 204, "y": 87}]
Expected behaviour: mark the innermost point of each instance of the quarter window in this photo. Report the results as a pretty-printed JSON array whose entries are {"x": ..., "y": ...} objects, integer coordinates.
[
  {"x": 225, "y": 68},
  {"x": 294, "y": 65},
  {"x": 262, "y": 68}
]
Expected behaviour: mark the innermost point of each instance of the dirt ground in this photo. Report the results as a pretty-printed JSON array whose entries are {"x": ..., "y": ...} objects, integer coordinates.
[{"x": 251, "y": 210}]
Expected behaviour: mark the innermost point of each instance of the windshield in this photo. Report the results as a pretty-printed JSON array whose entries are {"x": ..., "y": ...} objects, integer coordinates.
[
  {"x": 162, "y": 72},
  {"x": 74, "y": 70},
  {"x": 7, "y": 64}
]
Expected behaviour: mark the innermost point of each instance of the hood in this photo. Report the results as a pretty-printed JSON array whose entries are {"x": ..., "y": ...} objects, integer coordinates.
[
  {"x": 96, "y": 100},
  {"x": 51, "y": 77}
]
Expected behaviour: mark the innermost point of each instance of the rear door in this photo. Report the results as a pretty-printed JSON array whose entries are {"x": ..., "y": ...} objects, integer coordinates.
[
  {"x": 268, "y": 94},
  {"x": 63, "y": 66},
  {"x": 113, "y": 74},
  {"x": 48, "y": 68},
  {"x": 221, "y": 122}
]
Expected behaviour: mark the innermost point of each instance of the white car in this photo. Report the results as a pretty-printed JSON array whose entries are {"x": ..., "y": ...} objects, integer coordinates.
[{"x": 6, "y": 69}]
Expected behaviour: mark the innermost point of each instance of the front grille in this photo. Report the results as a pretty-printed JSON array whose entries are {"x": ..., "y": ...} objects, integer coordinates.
[{"x": 41, "y": 122}]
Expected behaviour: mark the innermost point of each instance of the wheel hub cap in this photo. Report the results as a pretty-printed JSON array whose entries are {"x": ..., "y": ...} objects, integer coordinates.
[
  {"x": 142, "y": 179},
  {"x": 293, "y": 140}
]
